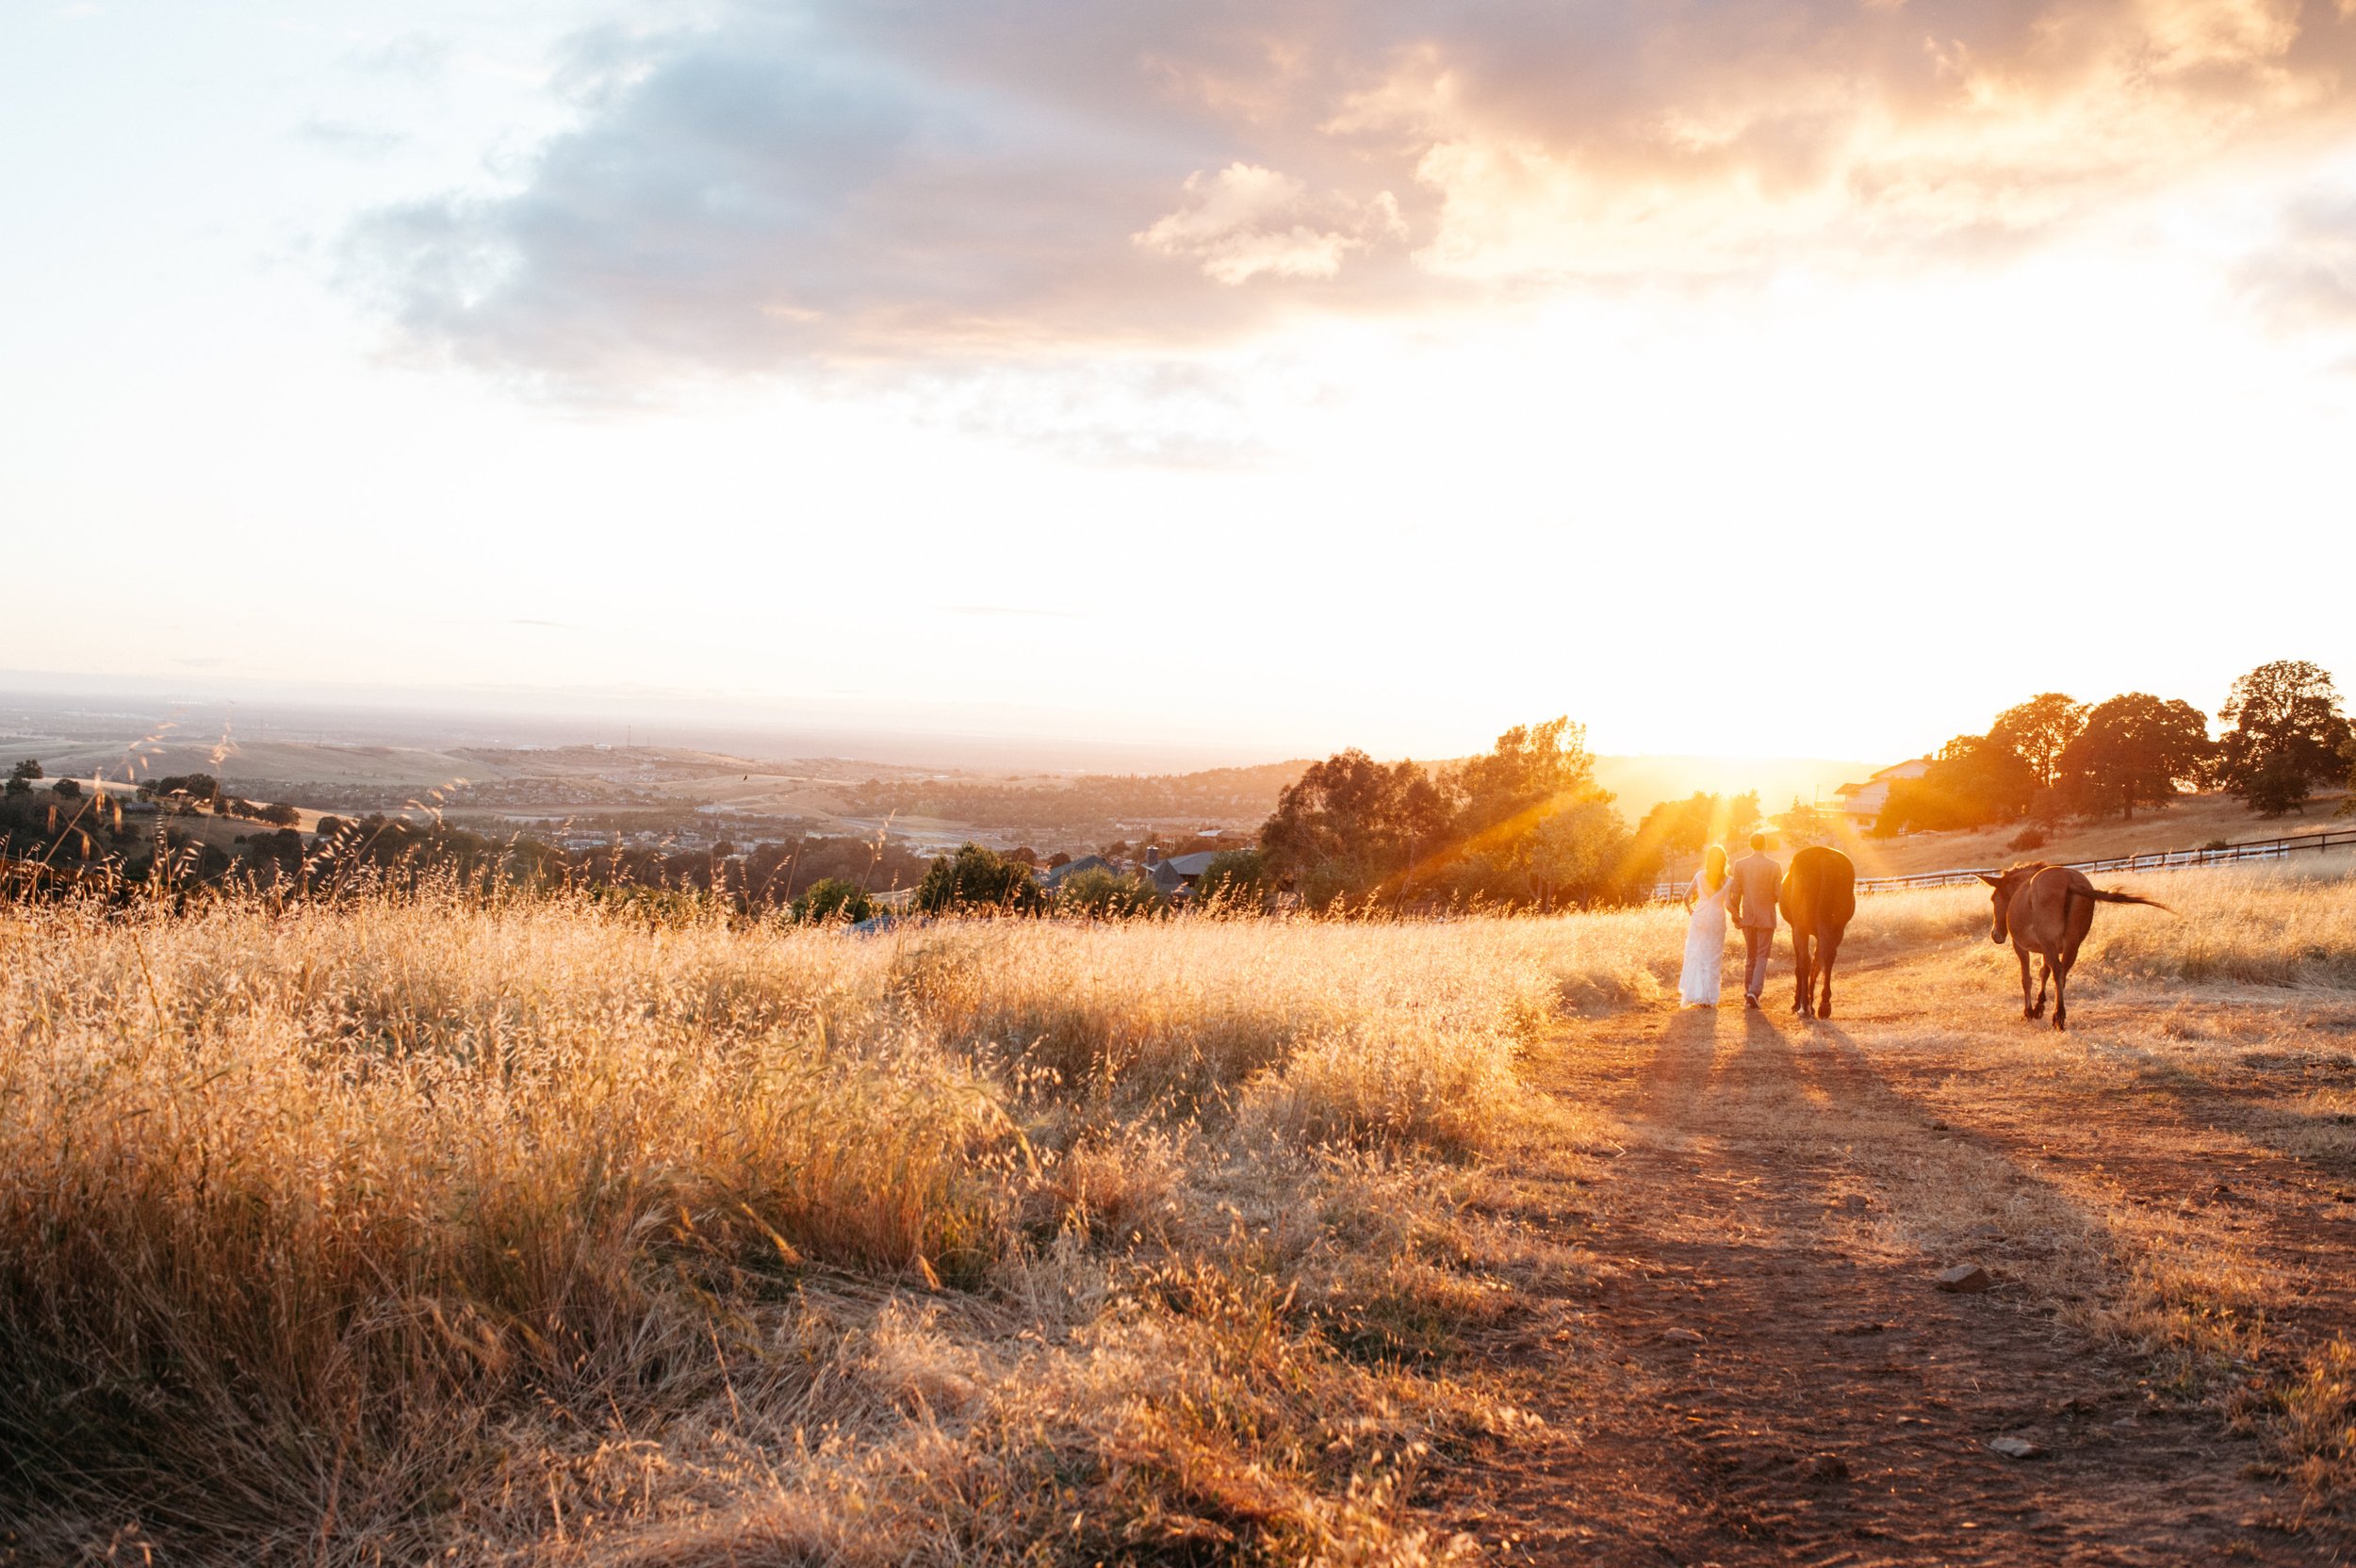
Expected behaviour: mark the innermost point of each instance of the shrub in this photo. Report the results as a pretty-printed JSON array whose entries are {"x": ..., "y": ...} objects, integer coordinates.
[
  {"x": 976, "y": 878},
  {"x": 1104, "y": 893},
  {"x": 833, "y": 899},
  {"x": 1237, "y": 878},
  {"x": 2028, "y": 838}
]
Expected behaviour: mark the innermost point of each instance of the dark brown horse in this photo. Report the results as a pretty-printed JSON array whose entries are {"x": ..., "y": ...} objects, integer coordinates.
[
  {"x": 2047, "y": 910},
  {"x": 1818, "y": 896}
]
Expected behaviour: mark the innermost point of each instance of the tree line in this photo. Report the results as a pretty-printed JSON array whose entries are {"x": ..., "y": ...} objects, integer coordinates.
[
  {"x": 1522, "y": 825},
  {"x": 2052, "y": 757}
]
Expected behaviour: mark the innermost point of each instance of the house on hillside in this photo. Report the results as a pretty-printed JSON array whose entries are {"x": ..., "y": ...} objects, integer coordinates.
[
  {"x": 1054, "y": 876},
  {"x": 1862, "y": 802},
  {"x": 1176, "y": 876}
]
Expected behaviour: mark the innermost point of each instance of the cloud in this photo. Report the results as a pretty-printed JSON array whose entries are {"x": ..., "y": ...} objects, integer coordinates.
[
  {"x": 988, "y": 180},
  {"x": 347, "y": 138},
  {"x": 2307, "y": 277},
  {"x": 1246, "y": 222},
  {"x": 419, "y": 57}
]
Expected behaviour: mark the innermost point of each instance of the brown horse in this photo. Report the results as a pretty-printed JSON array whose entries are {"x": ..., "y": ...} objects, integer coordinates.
[
  {"x": 2047, "y": 910},
  {"x": 1818, "y": 897}
]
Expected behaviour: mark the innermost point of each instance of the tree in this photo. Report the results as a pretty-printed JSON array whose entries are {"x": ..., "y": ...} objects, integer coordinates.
[
  {"x": 2039, "y": 731},
  {"x": 1107, "y": 893},
  {"x": 195, "y": 785},
  {"x": 1350, "y": 824},
  {"x": 1528, "y": 769},
  {"x": 1683, "y": 827},
  {"x": 1972, "y": 782},
  {"x": 831, "y": 899},
  {"x": 1530, "y": 826},
  {"x": 70, "y": 788},
  {"x": 1806, "y": 825},
  {"x": 21, "y": 777},
  {"x": 279, "y": 852},
  {"x": 2286, "y": 734},
  {"x": 2136, "y": 748},
  {"x": 1237, "y": 878},
  {"x": 2276, "y": 788},
  {"x": 1584, "y": 855},
  {"x": 976, "y": 878}
]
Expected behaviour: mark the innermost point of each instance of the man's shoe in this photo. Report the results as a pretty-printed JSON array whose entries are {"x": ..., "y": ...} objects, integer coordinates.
[{"x": 1752, "y": 1003}]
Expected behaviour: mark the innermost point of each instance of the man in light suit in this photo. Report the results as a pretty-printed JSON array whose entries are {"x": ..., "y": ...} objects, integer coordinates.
[{"x": 1756, "y": 878}]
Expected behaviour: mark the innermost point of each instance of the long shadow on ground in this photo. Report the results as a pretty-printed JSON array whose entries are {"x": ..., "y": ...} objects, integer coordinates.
[{"x": 1760, "y": 1381}]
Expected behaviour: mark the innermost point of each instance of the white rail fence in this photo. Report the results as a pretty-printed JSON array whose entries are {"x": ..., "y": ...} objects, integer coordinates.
[{"x": 2158, "y": 860}]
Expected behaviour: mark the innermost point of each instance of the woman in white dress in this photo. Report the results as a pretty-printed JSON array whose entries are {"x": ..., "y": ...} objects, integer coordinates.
[{"x": 1706, "y": 932}]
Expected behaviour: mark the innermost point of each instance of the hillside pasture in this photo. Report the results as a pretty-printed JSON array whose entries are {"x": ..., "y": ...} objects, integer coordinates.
[
  {"x": 488, "y": 1230},
  {"x": 419, "y": 1227}
]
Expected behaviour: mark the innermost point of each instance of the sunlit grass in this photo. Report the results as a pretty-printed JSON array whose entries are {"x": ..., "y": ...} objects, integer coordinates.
[
  {"x": 410, "y": 1224},
  {"x": 415, "y": 1225}
]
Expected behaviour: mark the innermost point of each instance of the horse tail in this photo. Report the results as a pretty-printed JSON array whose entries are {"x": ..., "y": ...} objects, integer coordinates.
[{"x": 2103, "y": 895}]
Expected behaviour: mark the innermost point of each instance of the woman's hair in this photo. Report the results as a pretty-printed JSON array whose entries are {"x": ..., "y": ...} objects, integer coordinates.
[{"x": 1714, "y": 867}]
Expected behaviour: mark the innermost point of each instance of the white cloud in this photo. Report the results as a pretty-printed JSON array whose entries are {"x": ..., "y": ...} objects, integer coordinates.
[
  {"x": 2306, "y": 276},
  {"x": 1244, "y": 221},
  {"x": 990, "y": 179}
]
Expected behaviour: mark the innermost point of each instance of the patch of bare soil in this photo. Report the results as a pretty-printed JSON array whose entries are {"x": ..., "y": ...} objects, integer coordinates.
[{"x": 1763, "y": 1368}]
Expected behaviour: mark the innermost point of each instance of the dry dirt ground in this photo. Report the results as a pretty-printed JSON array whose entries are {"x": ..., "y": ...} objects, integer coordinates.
[{"x": 1755, "y": 1364}]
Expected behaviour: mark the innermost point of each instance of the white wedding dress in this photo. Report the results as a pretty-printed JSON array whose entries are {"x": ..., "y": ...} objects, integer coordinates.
[{"x": 1705, "y": 944}]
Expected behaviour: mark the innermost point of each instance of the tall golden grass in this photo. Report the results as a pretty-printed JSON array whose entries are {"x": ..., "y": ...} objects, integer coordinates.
[
  {"x": 422, "y": 1225},
  {"x": 428, "y": 1225},
  {"x": 2287, "y": 923}
]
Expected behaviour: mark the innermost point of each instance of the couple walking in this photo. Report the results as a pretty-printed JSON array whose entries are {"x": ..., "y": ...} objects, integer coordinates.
[{"x": 1746, "y": 890}]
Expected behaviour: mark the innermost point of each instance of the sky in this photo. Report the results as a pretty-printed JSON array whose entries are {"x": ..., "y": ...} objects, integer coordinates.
[{"x": 1774, "y": 377}]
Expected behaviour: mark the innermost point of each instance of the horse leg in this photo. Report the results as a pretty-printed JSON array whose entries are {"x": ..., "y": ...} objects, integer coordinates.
[
  {"x": 1800, "y": 964},
  {"x": 1828, "y": 949},
  {"x": 2044, "y": 975},
  {"x": 2061, "y": 986},
  {"x": 2026, "y": 1012}
]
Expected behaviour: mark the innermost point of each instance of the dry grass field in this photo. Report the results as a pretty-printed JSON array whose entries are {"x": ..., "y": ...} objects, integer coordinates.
[{"x": 432, "y": 1228}]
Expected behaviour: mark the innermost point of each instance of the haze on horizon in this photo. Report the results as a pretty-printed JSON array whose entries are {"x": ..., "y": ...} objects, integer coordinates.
[{"x": 1274, "y": 378}]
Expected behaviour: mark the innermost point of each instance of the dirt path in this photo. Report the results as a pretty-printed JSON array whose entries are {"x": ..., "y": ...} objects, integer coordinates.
[{"x": 1762, "y": 1368}]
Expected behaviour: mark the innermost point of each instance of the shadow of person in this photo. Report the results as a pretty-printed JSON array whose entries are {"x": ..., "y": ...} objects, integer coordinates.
[{"x": 1683, "y": 1059}]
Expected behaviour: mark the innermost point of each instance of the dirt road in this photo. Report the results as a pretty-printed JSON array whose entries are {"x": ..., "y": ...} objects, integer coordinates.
[{"x": 1759, "y": 1366}]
